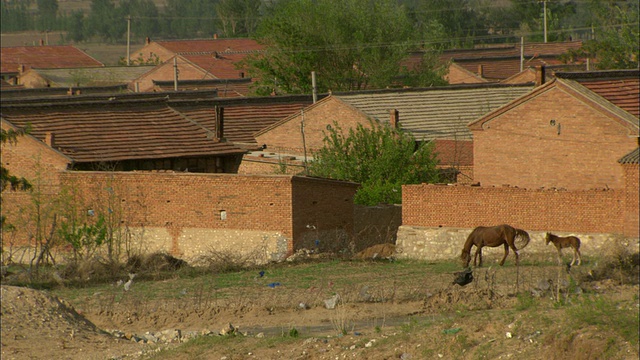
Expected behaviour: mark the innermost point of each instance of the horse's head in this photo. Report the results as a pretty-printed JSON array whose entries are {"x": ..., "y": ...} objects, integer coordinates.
[
  {"x": 465, "y": 257},
  {"x": 547, "y": 239}
]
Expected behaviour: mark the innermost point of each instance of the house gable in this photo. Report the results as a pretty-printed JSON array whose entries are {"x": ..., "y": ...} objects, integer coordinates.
[
  {"x": 560, "y": 135},
  {"x": 459, "y": 75},
  {"x": 166, "y": 72},
  {"x": 286, "y": 135},
  {"x": 31, "y": 158}
]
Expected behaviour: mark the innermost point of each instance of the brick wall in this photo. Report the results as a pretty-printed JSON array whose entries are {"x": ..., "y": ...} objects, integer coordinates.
[
  {"x": 552, "y": 140},
  {"x": 632, "y": 201},
  {"x": 323, "y": 211},
  {"x": 585, "y": 211},
  {"x": 189, "y": 214}
]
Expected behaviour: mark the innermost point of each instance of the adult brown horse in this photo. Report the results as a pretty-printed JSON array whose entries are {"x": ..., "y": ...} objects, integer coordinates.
[{"x": 493, "y": 236}]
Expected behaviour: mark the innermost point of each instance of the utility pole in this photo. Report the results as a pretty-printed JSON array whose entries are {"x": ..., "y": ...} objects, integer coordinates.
[
  {"x": 313, "y": 86},
  {"x": 175, "y": 73},
  {"x": 128, "y": 38}
]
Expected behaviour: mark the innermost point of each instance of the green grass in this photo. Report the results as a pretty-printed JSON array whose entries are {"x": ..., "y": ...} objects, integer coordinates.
[{"x": 608, "y": 315}]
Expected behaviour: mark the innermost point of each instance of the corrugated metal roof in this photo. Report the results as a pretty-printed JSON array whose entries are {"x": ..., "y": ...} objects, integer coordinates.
[
  {"x": 44, "y": 57},
  {"x": 436, "y": 113},
  {"x": 631, "y": 158},
  {"x": 111, "y": 75}
]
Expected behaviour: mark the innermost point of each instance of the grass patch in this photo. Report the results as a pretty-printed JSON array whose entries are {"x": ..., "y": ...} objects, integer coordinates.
[{"x": 607, "y": 315}]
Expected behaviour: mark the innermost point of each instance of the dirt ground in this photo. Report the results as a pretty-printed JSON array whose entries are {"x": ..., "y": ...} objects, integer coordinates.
[{"x": 447, "y": 321}]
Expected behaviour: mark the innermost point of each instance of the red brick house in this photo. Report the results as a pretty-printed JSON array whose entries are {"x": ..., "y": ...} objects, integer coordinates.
[
  {"x": 438, "y": 114},
  {"x": 172, "y": 160},
  {"x": 15, "y": 60},
  {"x": 195, "y": 60},
  {"x": 568, "y": 133}
]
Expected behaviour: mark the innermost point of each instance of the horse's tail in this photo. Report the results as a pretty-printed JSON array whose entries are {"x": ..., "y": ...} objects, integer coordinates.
[{"x": 521, "y": 239}]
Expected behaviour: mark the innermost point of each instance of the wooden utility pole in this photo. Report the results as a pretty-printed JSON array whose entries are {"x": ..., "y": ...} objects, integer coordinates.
[{"x": 128, "y": 38}]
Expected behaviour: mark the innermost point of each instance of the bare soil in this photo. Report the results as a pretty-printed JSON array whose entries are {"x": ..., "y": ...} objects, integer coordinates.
[{"x": 485, "y": 319}]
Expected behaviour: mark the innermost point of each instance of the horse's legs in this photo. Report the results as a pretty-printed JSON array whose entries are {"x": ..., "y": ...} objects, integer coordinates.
[
  {"x": 475, "y": 257},
  {"x": 560, "y": 256},
  {"x": 577, "y": 251},
  {"x": 506, "y": 253}
]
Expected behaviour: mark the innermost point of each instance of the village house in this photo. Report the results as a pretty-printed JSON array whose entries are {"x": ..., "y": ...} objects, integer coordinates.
[
  {"x": 438, "y": 114},
  {"x": 14, "y": 61},
  {"x": 172, "y": 161},
  {"x": 568, "y": 133},
  {"x": 192, "y": 60}
]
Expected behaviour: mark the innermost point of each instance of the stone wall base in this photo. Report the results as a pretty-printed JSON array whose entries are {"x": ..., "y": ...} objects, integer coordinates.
[{"x": 431, "y": 244}]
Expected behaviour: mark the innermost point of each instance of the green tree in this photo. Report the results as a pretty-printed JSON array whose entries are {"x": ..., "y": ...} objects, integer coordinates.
[
  {"x": 47, "y": 14},
  {"x": 76, "y": 28},
  {"x": 189, "y": 19},
  {"x": 144, "y": 17},
  {"x": 459, "y": 19},
  {"x": 350, "y": 44},
  {"x": 380, "y": 158},
  {"x": 15, "y": 15},
  {"x": 6, "y": 179},
  {"x": 617, "y": 38},
  {"x": 238, "y": 17}
]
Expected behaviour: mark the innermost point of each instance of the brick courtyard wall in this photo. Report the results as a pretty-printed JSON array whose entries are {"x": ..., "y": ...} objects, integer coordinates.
[
  {"x": 191, "y": 215},
  {"x": 552, "y": 140},
  {"x": 323, "y": 213},
  {"x": 597, "y": 211},
  {"x": 436, "y": 219}
]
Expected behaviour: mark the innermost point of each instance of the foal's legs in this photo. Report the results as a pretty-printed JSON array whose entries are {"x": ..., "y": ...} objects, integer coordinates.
[{"x": 576, "y": 251}]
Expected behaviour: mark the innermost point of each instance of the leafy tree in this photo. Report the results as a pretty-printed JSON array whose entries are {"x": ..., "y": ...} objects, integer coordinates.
[
  {"x": 15, "y": 15},
  {"x": 460, "y": 21},
  {"x": 238, "y": 17},
  {"x": 188, "y": 19},
  {"x": 144, "y": 17},
  {"x": 617, "y": 40},
  {"x": 47, "y": 14},
  {"x": 76, "y": 26},
  {"x": 380, "y": 158},
  {"x": 106, "y": 21},
  {"x": 350, "y": 44}
]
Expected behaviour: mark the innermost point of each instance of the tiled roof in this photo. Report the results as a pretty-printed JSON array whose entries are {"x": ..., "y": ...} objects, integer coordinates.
[
  {"x": 105, "y": 130},
  {"x": 103, "y": 76},
  {"x": 502, "y": 61},
  {"x": 44, "y": 57},
  {"x": 244, "y": 117},
  {"x": 435, "y": 113},
  {"x": 530, "y": 50},
  {"x": 210, "y": 45},
  {"x": 19, "y": 92},
  {"x": 225, "y": 87},
  {"x": 222, "y": 66},
  {"x": 620, "y": 87},
  {"x": 631, "y": 158}
]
